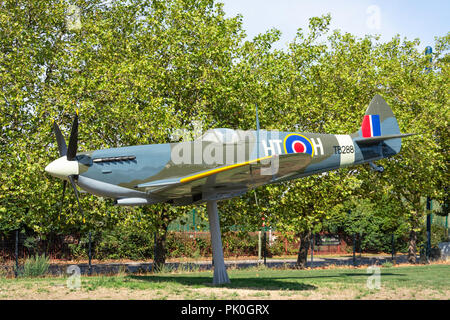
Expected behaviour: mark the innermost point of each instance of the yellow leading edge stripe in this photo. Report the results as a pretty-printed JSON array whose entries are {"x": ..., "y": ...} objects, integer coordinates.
[{"x": 217, "y": 170}]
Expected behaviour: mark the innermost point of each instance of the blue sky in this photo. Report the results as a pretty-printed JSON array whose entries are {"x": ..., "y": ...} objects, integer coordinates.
[{"x": 411, "y": 19}]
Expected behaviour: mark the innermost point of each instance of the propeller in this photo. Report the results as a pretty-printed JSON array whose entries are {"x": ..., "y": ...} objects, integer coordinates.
[
  {"x": 62, "y": 147},
  {"x": 72, "y": 181},
  {"x": 66, "y": 167},
  {"x": 73, "y": 140}
]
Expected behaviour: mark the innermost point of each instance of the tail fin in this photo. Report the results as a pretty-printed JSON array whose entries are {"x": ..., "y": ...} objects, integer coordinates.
[
  {"x": 380, "y": 126},
  {"x": 378, "y": 120}
]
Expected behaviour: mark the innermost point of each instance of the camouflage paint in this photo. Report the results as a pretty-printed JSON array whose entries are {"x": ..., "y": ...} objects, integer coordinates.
[{"x": 157, "y": 172}]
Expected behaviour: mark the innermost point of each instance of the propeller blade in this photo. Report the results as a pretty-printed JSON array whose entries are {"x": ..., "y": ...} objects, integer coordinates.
[
  {"x": 72, "y": 181},
  {"x": 73, "y": 140},
  {"x": 62, "y": 198},
  {"x": 62, "y": 147}
]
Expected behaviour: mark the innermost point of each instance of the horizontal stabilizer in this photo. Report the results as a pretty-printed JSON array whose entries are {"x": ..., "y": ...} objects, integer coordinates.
[{"x": 375, "y": 140}]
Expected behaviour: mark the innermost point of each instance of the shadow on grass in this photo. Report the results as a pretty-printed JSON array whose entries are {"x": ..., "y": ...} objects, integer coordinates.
[
  {"x": 236, "y": 283},
  {"x": 348, "y": 260},
  {"x": 290, "y": 282},
  {"x": 369, "y": 274}
]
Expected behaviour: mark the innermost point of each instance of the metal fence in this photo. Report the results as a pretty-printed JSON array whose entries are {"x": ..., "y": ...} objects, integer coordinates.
[
  {"x": 322, "y": 244},
  {"x": 234, "y": 244},
  {"x": 21, "y": 245},
  {"x": 184, "y": 243}
]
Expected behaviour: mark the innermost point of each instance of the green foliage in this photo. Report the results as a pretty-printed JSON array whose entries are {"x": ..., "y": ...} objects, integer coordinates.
[
  {"x": 240, "y": 244},
  {"x": 118, "y": 243},
  {"x": 138, "y": 69},
  {"x": 372, "y": 225},
  {"x": 438, "y": 234},
  {"x": 35, "y": 266},
  {"x": 121, "y": 243}
]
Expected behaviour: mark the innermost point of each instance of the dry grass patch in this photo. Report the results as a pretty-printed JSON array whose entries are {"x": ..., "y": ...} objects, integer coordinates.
[{"x": 398, "y": 282}]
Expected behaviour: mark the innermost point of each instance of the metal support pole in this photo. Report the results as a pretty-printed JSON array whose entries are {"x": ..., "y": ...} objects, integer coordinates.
[
  {"x": 16, "y": 252},
  {"x": 446, "y": 226},
  {"x": 154, "y": 246},
  {"x": 154, "y": 251},
  {"x": 259, "y": 245},
  {"x": 428, "y": 52},
  {"x": 220, "y": 271},
  {"x": 90, "y": 253},
  {"x": 428, "y": 251},
  {"x": 312, "y": 250},
  {"x": 393, "y": 248},
  {"x": 354, "y": 249},
  {"x": 359, "y": 243},
  {"x": 264, "y": 247}
]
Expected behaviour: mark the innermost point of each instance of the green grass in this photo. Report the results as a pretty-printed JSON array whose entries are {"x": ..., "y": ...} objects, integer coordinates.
[
  {"x": 430, "y": 276},
  {"x": 262, "y": 282}
]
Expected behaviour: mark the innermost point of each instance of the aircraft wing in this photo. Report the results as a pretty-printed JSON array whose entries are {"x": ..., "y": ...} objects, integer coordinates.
[{"x": 230, "y": 179}]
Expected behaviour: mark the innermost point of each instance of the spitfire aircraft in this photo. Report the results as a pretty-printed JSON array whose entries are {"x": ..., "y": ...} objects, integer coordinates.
[{"x": 223, "y": 163}]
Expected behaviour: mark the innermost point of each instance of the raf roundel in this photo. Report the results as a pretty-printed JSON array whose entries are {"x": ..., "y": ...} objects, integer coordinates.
[{"x": 296, "y": 143}]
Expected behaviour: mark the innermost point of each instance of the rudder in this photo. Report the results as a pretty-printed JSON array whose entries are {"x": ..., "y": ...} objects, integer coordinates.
[{"x": 379, "y": 120}]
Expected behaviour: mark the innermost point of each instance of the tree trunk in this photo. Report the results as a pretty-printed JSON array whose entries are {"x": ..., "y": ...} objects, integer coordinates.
[
  {"x": 160, "y": 250},
  {"x": 303, "y": 249},
  {"x": 412, "y": 246}
]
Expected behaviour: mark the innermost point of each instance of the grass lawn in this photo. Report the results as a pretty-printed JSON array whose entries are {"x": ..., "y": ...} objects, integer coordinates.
[{"x": 400, "y": 282}]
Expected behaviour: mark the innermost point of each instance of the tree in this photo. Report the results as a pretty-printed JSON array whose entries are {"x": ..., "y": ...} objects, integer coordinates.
[
  {"x": 348, "y": 74},
  {"x": 421, "y": 101},
  {"x": 135, "y": 70},
  {"x": 138, "y": 69}
]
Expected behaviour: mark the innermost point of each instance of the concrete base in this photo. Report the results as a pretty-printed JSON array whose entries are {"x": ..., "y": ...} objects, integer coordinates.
[{"x": 220, "y": 271}]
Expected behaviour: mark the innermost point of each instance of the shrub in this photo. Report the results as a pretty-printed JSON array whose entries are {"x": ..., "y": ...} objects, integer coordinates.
[
  {"x": 240, "y": 244},
  {"x": 35, "y": 266},
  {"x": 120, "y": 243}
]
